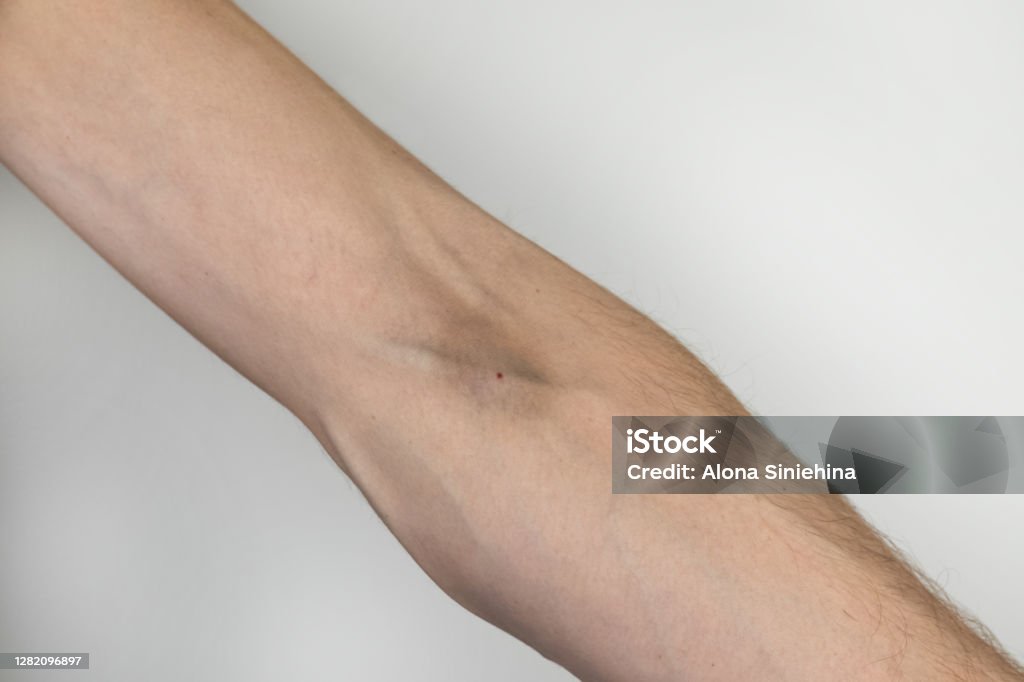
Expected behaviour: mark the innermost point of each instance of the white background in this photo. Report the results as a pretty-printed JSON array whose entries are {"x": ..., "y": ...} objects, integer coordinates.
[{"x": 822, "y": 199}]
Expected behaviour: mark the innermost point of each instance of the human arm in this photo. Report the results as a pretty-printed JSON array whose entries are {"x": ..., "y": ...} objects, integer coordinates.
[{"x": 303, "y": 246}]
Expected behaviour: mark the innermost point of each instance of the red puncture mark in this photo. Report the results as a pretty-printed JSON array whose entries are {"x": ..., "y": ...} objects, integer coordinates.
[{"x": 500, "y": 375}]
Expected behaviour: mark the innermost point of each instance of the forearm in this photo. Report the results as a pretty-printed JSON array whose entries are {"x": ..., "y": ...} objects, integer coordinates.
[{"x": 464, "y": 378}]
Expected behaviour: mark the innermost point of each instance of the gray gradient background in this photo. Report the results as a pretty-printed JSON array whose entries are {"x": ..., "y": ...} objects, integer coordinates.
[{"x": 821, "y": 198}]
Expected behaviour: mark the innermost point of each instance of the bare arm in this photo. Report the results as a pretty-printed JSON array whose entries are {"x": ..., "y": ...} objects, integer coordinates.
[{"x": 463, "y": 377}]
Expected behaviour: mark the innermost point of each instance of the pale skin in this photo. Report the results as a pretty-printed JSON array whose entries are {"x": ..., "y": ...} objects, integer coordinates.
[{"x": 417, "y": 337}]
